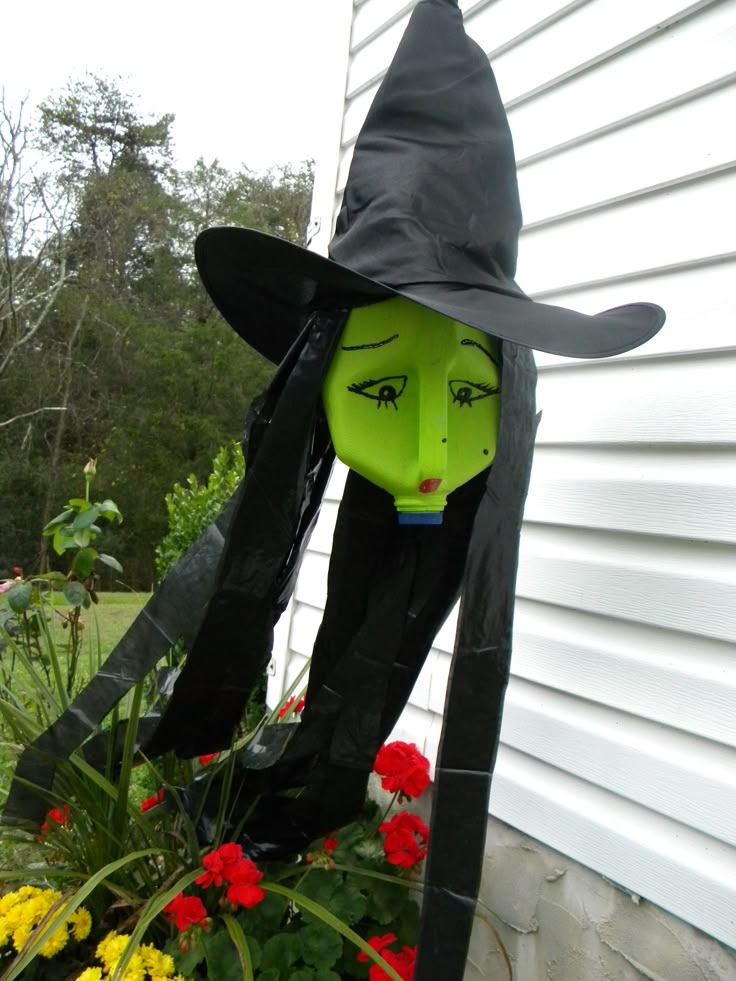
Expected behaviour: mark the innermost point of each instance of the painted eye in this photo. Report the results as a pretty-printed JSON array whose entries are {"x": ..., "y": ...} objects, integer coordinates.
[
  {"x": 466, "y": 392},
  {"x": 384, "y": 391}
]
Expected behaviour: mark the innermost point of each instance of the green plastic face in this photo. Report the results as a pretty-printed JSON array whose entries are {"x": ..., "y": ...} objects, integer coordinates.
[{"x": 413, "y": 402}]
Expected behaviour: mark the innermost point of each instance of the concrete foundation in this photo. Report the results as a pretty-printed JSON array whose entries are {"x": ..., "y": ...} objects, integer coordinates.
[{"x": 560, "y": 921}]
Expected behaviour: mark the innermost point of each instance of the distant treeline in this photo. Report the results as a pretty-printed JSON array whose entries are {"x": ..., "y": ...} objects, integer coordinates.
[{"x": 109, "y": 346}]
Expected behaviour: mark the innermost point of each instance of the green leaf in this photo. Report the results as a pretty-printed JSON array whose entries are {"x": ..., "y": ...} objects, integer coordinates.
[
  {"x": 50, "y": 577},
  {"x": 79, "y": 503},
  {"x": 62, "y": 540},
  {"x": 310, "y": 974},
  {"x": 280, "y": 952},
  {"x": 83, "y": 537},
  {"x": 109, "y": 560},
  {"x": 60, "y": 519},
  {"x": 241, "y": 945},
  {"x": 305, "y": 903},
  {"x": 385, "y": 901},
  {"x": 74, "y": 593},
  {"x": 84, "y": 562},
  {"x": 349, "y": 904},
  {"x": 271, "y": 975},
  {"x": 322, "y": 946},
  {"x": 321, "y": 885},
  {"x": 19, "y": 596},
  {"x": 86, "y": 518},
  {"x": 266, "y": 918},
  {"x": 223, "y": 960},
  {"x": 256, "y": 951},
  {"x": 187, "y": 961},
  {"x": 109, "y": 510}
]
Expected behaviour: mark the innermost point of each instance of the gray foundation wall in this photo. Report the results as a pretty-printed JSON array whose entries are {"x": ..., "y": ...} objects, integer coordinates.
[{"x": 560, "y": 921}]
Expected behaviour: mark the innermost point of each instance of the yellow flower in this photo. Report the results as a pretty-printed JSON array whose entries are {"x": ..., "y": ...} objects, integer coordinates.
[
  {"x": 21, "y": 934},
  {"x": 156, "y": 962},
  {"x": 56, "y": 942},
  {"x": 91, "y": 974},
  {"x": 135, "y": 971},
  {"x": 8, "y": 900},
  {"x": 110, "y": 949},
  {"x": 81, "y": 923}
]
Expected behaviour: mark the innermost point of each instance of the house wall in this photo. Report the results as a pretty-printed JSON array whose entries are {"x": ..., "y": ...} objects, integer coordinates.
[{"x": 619, "y": 740}]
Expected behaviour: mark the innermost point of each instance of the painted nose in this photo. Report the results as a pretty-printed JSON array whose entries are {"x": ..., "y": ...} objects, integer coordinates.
[{"x": 429, "y": 485}]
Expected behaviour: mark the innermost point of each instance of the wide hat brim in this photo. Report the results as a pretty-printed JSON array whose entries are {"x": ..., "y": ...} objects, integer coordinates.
[{"x": 266, "y": 287}]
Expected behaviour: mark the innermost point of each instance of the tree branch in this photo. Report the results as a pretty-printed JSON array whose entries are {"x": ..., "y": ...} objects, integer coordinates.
[{"x": 24, "y": 415}]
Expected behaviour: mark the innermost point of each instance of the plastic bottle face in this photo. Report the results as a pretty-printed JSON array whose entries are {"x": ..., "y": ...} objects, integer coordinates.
[{"x": 413, "y": 402}]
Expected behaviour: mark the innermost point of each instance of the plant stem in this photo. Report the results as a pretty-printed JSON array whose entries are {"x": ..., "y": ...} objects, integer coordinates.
[{"x": 390, "y": 805}]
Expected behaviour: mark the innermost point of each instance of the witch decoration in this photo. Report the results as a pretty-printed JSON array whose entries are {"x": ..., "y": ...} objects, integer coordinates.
[{"x": 408, "y": 353}]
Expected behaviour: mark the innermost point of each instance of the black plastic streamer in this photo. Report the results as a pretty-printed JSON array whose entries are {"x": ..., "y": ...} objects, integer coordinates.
[{"x": 476, "y": 688}]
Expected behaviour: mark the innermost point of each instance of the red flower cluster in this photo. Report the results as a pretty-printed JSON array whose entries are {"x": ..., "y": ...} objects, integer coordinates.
[
  {"x": 226, "y": 864},
  {"x": 56, "y": 815},
  {"x": 297, "y": 708},
  {"x": 185, "y": 910},
  {"x": 404, "y": 832},
  {"x": 150, "y": 802},
  {"x": 402, "y": 963},
  {"x": 403, "y": 769},
  {"x": 330, "y": 844}
]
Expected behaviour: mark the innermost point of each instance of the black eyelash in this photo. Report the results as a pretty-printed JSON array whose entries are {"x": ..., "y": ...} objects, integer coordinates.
[{"x": 361, "y": 386}]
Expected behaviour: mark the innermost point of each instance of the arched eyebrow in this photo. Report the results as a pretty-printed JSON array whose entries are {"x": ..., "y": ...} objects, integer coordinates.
[
  {"x": 468, "y": 341},
  {"x": 365, "y": 347}
]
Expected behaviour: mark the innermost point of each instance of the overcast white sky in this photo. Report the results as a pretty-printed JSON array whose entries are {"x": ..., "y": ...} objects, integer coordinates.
[{"x": 245, "y": 78}]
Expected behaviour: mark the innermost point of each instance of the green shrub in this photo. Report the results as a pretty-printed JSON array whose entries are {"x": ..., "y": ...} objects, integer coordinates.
[{"x": 192, "y": 508}]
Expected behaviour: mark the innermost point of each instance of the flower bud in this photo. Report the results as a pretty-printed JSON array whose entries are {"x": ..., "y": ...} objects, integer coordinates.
[{"x": 91, "y": 468}]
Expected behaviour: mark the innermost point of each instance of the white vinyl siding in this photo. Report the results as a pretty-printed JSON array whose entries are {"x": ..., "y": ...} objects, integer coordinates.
[{"x": 619, "y": 737}]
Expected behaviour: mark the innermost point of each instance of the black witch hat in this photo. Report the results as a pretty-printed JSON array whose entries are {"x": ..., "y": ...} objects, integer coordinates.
[{"x": 430, "y": 212}]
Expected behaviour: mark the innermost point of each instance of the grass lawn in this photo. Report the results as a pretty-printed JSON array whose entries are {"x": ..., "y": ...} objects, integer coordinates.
[
  {"x": 108, "y": 620},
  {"x": 113, "y": 615}
]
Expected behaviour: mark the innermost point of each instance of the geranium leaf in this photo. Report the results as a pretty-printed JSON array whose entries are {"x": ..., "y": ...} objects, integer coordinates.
[
  {"x": 322, "y": 946},
  {"x": 280, "y": 952},
  {"x": 223, "y": 962},
  {"x": 187, "y": 961}
]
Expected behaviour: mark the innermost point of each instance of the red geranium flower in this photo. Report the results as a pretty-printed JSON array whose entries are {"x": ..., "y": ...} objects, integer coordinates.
[
  {"x": 245, "y": 894},
  {"x": 184, "y": 910},
  {"x": 213, "y": 876},
  {"x": 377, "y": 943},
  {"x": 402, "y": 963},
  {"x": 403, "y": 769},
  {"x": 401, "y": 843},
  {"x": 150, "y": 802},
  {"x": 229, "y": 852},
  {"x": 58, "y": 815},
  {"x": 330, "y": 844},
  {"x": 243, "y": 876},
  {"x": 297, "y": 708}
]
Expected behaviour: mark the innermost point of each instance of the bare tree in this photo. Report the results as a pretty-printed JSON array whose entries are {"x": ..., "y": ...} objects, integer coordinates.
[{"x": 33, "y": 246}]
